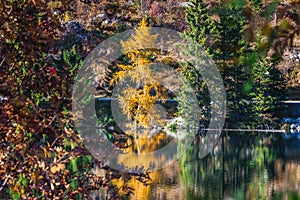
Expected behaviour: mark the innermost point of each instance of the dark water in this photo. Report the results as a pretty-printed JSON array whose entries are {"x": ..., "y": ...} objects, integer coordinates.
[{"x": 240, "y": 167}]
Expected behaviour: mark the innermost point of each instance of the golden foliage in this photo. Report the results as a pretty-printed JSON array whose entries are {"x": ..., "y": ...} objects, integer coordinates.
[
  {"x": 131, "y": 161},
  {"x": 137, "y": 103},
  {"x": 143, "y": 39}
]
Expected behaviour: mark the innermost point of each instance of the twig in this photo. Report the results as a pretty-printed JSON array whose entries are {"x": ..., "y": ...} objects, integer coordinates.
[
  {"x": 55, "y": 141},
  {"x": 5, "y": 181},
  {"x": 8, "y": 177},
  {"x": 2, "y": 61}
]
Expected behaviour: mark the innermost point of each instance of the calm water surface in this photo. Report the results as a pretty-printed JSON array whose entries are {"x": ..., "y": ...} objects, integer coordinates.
[{"x": 240, "y": 167}]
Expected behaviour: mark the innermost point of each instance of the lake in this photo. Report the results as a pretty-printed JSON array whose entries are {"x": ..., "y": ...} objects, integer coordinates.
[{"x": 241, "y": 166}]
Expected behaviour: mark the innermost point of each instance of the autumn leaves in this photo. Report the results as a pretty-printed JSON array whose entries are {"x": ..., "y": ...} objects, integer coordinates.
[{"x": 137, "y": 102}]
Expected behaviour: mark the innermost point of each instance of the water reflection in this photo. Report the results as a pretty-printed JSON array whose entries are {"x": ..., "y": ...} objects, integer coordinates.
[{"x": 239, "y": 167}]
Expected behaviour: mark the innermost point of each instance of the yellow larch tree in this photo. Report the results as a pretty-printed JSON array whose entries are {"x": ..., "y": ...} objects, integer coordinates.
[{"x": 137, "y": 102}]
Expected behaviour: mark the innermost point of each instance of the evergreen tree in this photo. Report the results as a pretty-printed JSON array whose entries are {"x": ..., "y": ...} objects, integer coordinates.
[
  {"x": 242, "y": 68},
  {"x": 202, "y": 30},
  {"x": 267, "y": 93},
  {"x": 202, "y": 27},
  {"x": 224, "y": 41},
  {"x": 230, "y": 56}
]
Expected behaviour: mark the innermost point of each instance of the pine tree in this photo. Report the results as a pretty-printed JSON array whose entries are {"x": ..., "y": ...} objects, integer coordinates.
[
  {"x": 267, "y": 93},
  {"x": 203, "y": 31},
  {"x": 202, "y": 27},
  {"x": 231, "y": 58},
  {"x": 224, "y": 40}
]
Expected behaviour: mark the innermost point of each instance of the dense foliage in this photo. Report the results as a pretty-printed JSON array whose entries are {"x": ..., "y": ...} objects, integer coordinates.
[
  {"x": 43, "y": 43},
  {"x": 137, "y": 101},
  {"x": 42, "y": 157},
  {"x": 233, "y": 35}
]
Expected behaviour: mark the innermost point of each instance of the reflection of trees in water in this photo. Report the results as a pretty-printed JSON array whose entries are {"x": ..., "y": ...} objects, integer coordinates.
[
  {"x": 146, "y": 146},
  {"x": 244, "y": 168},
  {"x": 240, "y": 167},
  {"x": 134, "y": 161}
]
